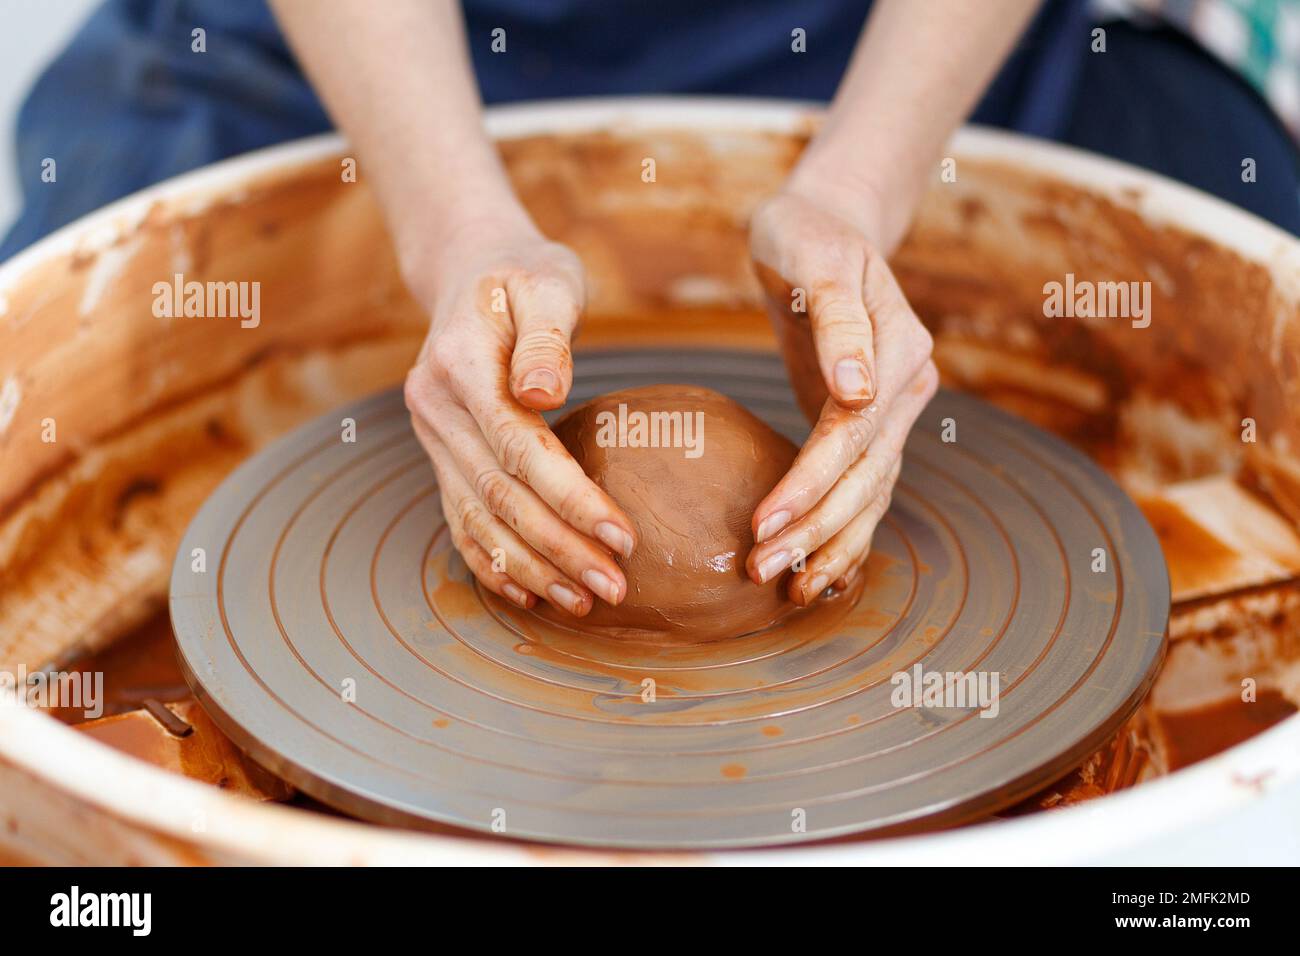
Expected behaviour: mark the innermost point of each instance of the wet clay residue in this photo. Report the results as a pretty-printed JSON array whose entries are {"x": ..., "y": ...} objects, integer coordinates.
[
  {"x": 136, "y": 669},
  {"x": 1201, "y": 557},
  {"x": 688, "y": 466},
  {"x": 149, "y": 713},
  {"x": 700, "y": 670},
  {"x": 1128, "y": 759},
  {"x": 182, "y": 738},
  {"x": 1193, "y": 735}
]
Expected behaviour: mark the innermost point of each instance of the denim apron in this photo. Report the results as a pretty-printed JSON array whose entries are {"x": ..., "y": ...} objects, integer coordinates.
[{"x": 128, "y": 103}]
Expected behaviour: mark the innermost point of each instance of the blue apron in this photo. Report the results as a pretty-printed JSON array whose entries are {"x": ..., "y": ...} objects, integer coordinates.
[{"x": 128, "y": 103}]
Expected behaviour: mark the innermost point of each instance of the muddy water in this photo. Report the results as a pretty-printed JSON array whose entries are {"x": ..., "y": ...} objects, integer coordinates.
[
  {"x": 139, "y": 667},
  {"x": 1202, "y": 732}
]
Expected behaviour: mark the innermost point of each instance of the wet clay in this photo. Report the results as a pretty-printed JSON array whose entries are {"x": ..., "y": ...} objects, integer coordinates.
[
  {"x": 182, "y": 738},
  {"x": 1198, "y": 734},
  {"x": 150, "y": 714},
  {"x": 137, "y": 668},
  {"x": 691, "y": 504}
]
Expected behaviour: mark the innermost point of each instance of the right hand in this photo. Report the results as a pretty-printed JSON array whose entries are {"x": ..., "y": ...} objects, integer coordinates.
[{"x": 504, "y": 302}]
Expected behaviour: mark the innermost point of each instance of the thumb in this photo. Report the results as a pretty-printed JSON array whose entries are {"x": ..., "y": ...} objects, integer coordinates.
[
  {"x": 545, "y": 310},
  {"x": 843, "y": 334}
]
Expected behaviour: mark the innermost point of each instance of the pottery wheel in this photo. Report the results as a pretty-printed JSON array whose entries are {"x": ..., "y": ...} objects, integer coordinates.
[{"x": 329, "y": 627}]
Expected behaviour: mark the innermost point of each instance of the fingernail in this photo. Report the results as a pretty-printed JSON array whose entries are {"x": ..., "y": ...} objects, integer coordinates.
[
  {"x": 615, "y": 537},
  {"x": 851, "y": 379},
  {"x": 773, "y": 564},
  {"x": 816, "y": 587},
  {"x": 567, "y": 598},
  {"x": 601, "y": 584},
  {"x": 541, "y": 380},
  {"x": 771, "y": 525},
  {"x": 516, "y": 594}
]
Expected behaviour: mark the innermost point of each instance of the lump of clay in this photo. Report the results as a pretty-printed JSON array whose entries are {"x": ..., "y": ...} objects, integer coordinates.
[{"x": 687, "y": 466}]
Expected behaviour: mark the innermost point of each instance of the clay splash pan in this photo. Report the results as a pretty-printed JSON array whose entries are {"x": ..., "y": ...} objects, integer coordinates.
[{"x": 328, "y": 626}]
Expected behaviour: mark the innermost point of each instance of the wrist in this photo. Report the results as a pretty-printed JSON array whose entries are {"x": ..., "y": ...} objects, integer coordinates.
[
  {"x": 880, "y": 205},
  {"x": 433, "y": 238}
]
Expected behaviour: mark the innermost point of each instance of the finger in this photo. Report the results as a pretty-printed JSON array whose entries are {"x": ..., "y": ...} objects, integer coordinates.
[
  {"x": 479, "y": 561},
  {"x": 524, "y": 565},
  {"x": 838, "y": 440},
  {"x": 526, "y": 514},
  {"x": 861, "y": 482},
  {"x": 902, "y": 344},
  {"x": 842, "y": 335},
  {"x": 844, "y": 550},
  {"x": 845, "y": 580},
  {"x": 529, "y": 451},
  {"x": 517, "y": 436},
  {"x": 545, "y": 307},
  {"x": 843, "y": 431}
]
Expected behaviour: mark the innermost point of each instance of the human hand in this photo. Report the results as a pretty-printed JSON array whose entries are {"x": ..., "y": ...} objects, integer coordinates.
[
  {"x": 859, "y": 360},
  {"x": 504, "y": 302}
]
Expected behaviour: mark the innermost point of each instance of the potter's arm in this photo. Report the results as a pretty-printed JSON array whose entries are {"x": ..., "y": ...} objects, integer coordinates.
[
  {"x": 397, "y": 79},
  {"x": 916, "y": 73},
  {"x": 858, "y": 356},
  {"x": 503, "y": 301}
]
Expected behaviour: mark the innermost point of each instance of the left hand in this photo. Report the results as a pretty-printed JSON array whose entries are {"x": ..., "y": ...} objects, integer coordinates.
[{"x": 859, "y": 360}]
